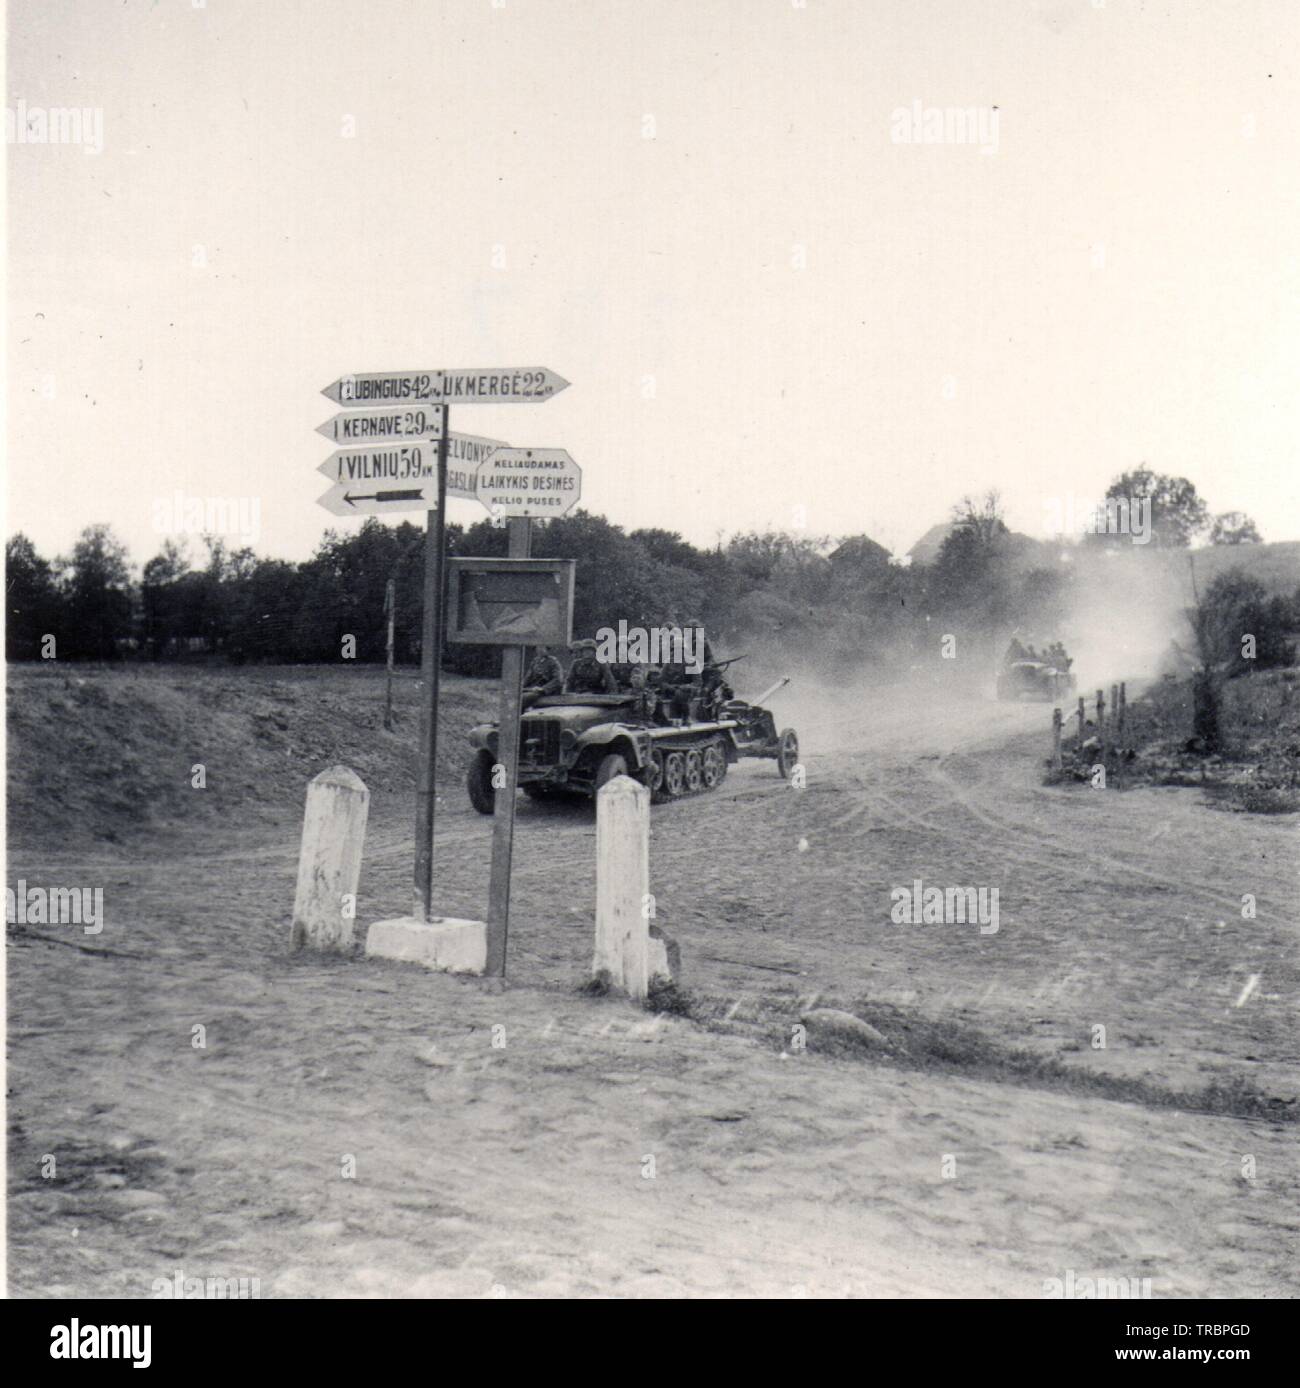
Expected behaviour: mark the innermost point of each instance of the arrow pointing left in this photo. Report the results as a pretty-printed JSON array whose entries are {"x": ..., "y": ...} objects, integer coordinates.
[{"x": 349, "y": 499}]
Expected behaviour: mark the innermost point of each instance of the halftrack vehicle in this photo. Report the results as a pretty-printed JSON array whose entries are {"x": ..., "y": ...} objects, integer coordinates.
[
  {"x": 1034, "y": 679},
  {"x": 571, "y": 744}
]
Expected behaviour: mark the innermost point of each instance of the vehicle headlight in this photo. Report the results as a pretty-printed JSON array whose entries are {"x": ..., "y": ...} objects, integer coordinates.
[{"x": 568, "y": 740}]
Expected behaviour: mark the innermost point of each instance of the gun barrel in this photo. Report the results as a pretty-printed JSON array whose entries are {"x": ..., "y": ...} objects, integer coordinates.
[{"x": 767, "y": 693}]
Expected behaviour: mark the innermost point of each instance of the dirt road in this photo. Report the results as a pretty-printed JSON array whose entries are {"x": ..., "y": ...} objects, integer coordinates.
[{"x": 360, "y": 1128}]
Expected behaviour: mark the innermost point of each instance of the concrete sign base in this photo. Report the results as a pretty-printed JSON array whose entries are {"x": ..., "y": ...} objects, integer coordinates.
[{"x": 454, "y": 946}]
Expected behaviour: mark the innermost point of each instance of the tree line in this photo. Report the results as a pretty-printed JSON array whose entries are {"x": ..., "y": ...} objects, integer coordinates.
[{"x": 842, "y": 599}]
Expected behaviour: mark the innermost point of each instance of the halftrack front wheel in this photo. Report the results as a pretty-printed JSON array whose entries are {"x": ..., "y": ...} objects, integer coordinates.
[
  {"x": 787, "y": 753},
  {"x": 478, "y": 782},
  {"x": 615, "y": 764}
]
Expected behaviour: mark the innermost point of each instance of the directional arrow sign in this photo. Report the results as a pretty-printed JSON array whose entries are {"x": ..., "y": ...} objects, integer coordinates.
[
  {"x": 358, "y": 499},
  {"x": 400, "y": 463},
  {"x": 529, "y": 482},
  {"x": 464, "y": 454},
  {"x": 405, "y": 462},
  {"x": 486, "y": 385},
  {"x": 414, "y": 422}
]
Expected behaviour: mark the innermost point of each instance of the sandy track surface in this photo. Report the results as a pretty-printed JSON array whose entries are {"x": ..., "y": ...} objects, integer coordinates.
[{"x": 596, "y": 1149}]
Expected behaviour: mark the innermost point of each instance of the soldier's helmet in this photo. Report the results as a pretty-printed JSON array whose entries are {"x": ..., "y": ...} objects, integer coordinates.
[{"x": 583, "y": 646}]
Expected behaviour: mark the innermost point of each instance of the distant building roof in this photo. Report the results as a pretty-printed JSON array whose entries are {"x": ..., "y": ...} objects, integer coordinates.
[{"x": 926, "y": 549}]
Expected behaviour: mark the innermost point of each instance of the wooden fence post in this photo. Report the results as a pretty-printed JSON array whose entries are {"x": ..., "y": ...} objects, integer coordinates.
[
  {"x": 1121, "y": 717},
  {"x": 1083, "y": 720},
  {"x": 622, "y": 952},
  {"x": 329, "y": 861},
  {"x": 1101, "y": 725},
  {"x": 390, "y": 610},
  {"x": 1056, "y": 739}
]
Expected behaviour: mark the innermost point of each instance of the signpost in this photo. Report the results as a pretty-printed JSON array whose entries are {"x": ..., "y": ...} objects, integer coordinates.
[
  {"x": 519, "y": 483},
  {"x": 485, "y": 385},
  {"x": 465, "y": 452},
  {"x": 375, "y": 499},
  {"x": 402, "y": 461},
  {"x": 503, "y": 808},
  {"x": 529, "y": 482},
  {"x": 398, "y": 464},
  {"x": 365, "y": 484},
  {"x": 416, "y": 422}
]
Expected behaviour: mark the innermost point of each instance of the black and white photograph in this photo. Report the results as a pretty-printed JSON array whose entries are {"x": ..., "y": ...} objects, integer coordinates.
[{"x": 652, "y": 652}]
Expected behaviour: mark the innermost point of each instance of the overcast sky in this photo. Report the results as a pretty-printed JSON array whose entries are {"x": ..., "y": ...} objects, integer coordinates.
[{"x": 694, "y": 211}]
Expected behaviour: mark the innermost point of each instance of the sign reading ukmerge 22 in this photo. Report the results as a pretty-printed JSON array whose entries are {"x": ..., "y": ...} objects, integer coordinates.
[{"x": 474, "y": 385}]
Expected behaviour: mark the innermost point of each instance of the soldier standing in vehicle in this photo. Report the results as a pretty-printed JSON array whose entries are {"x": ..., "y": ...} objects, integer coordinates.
[
  {"x": 703, "y": 651},
  {"x": 545, "y": 675},
  {"x": 676, "y": 685},
  {"x": 587, "y": 675}
]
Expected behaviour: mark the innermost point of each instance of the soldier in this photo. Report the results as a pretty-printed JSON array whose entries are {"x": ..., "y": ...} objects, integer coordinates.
[
  {"x": 704, "y": 651},
  {"x": 647, "y": 701},
  {"x": 587, "y": 675},
  {"x": 1057, "y": 656},
  {"x": 545, "y": 675},
  {"x": 677, "y": 686}
]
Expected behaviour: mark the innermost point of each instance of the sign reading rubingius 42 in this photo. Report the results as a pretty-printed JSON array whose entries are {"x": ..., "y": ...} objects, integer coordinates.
[
  {"x": 399, "y": 462},
  {"x": 484, "y": 385}
]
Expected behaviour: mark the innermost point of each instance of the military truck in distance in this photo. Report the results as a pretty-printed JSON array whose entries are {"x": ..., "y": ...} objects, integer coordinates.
[
  {"x": 574, "y": 743},
  {"x": 1034, "y": 679}
]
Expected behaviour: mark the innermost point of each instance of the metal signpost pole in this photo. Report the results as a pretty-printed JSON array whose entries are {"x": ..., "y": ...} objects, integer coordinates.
[
  {"x": 390, "y": 611},
  {"x": 503, "y": 819},
  {"x": 431, "y": 663}
]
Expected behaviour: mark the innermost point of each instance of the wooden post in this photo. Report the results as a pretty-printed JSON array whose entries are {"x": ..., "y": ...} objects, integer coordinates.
[
  {"x": 1121, "y": 713},
  {"x": 623, "y": 885},
  {"x": 435, "y": 547},
  {"x": 329, "y": 862},
  {"x": 1101, "y": 725},
  {"x": 1083, "y": 720},
  {"x": 1056, "y": 739},
  {"x": 503, "y": 812},
  {"x": 390, "y": 611}
]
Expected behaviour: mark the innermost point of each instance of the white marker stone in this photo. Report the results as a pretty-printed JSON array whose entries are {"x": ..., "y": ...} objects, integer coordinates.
[
  {"x": 622, "y": 885},
  {"x": 329, "y": 862}
]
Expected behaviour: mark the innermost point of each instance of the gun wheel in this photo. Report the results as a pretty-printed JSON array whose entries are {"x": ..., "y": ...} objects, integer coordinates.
[
  {"x": 478, "y": 782},
  {"x": 714, "y": 766},
  {"x": 787, "y": 753}
]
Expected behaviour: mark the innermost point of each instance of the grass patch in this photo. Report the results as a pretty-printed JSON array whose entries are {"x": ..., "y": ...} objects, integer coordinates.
[
  {"x": 916, "y": 1042},
  {"x": 952, "y": 1047}
]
